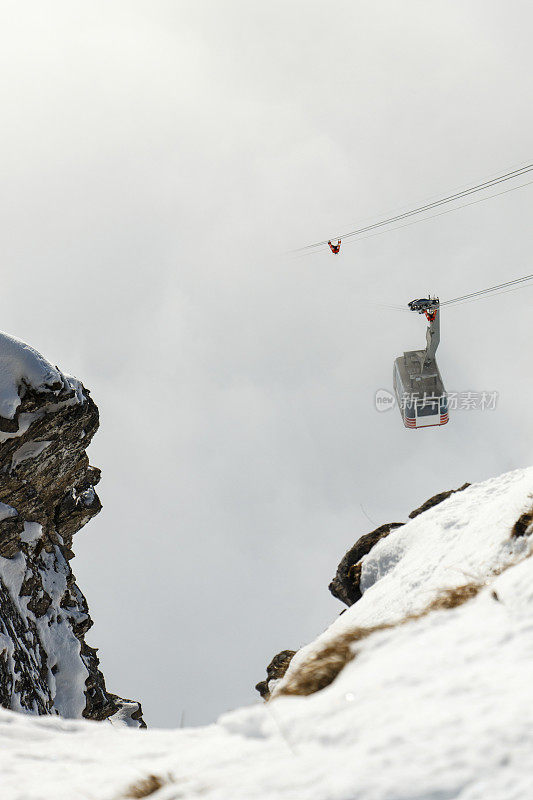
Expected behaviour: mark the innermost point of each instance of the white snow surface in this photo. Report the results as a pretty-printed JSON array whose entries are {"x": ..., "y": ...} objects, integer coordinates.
[
  {"x": 7, "y": 511},
  {"x": 463, "y": 539},
  {"x": 21, "y": 365},
  {"x": 438, "y": 708}
]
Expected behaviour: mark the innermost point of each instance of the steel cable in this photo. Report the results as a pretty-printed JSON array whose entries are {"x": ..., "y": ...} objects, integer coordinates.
[
  {"x": 426, "y": 207},
  {"x": 490, "y": 289}
]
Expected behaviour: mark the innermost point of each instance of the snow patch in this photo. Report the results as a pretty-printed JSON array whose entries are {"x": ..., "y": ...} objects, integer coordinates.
[
  {"x": 24, "y": 422},
  {"x": 87, "y": 497},
  {"x": 28, "y": 450},
  {"x": 122, "y": 718},
  {"x": 54, "y": 628},
  {"x": 31, "y": 533},
  {"x": 21, "y": 364},
  {"x": 7, "y": 511}
]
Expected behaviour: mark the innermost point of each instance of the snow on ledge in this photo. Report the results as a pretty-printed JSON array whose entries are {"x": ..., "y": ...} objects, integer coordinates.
[
  {"x": 21, "y": 365},
  {"x": 7, "y": 511}
]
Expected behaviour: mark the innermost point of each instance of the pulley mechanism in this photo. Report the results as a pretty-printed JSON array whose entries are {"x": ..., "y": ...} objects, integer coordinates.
[{"x": 426, "y": 305}]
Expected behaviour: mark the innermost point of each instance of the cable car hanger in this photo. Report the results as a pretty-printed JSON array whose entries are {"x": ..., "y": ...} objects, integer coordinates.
[
  {"x": 500, "y": 288},
  {"x": 417, "y": 382}
]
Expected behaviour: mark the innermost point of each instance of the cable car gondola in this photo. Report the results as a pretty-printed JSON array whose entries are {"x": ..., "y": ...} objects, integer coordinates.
[{"x": 418, "y": 385}]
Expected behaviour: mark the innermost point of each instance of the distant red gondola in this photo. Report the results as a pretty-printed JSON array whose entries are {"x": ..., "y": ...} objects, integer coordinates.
[{"x": 335, "y": 247}]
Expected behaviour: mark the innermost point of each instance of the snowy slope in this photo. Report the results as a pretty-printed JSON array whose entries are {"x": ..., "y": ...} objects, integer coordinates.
[
  {"x": 437, "y": 708},
  {"x": 461, "y": 540}
]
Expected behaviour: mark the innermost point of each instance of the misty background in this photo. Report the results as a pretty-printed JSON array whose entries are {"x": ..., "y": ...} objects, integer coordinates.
[{"x": 158, "y": 161}]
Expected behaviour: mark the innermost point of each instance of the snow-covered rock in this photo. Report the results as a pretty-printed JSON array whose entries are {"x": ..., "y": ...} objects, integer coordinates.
[
  {"x": 47, "y": 420},
  {"x": 434, "y": 705},
  {"x": 466, "y": 540},
  {"x": 23, "y": 370}
]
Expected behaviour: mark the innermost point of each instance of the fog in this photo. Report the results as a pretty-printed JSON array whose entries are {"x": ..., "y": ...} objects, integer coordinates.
[{"x": 160, "y": 161}]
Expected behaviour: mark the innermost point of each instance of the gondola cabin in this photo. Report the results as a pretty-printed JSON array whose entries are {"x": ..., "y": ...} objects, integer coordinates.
[
  {"x": 421, "y": 397},
  {"x": 417, "y": 382}
]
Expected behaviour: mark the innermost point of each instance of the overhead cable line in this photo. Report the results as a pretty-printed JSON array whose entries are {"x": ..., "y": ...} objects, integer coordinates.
[
  {"x": 432, "y": 216},
  {"x": 490, "y": 289},
  {"x": 427, "y": 206},
  {"x": 489, "y": 296},
  {"x": 500, "y": 288}
]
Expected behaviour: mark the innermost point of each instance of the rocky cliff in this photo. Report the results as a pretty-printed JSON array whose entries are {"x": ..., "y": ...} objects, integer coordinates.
[{"x": 47, "y": 420}]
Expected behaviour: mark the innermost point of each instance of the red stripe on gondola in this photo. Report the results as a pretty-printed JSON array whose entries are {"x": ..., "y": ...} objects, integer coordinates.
[{"x": 409, "y": 422}]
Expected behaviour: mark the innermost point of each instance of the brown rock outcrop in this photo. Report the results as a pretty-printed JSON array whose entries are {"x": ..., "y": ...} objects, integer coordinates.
[
  {"x": 275, "y": 671},
  {"x": 436, "y": 499},
  {"x": 345, "y": 585}
]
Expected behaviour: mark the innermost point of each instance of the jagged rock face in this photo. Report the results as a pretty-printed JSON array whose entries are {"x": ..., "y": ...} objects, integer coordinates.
[
  {"x": 47, "y": 494},
  {"x": 275, "y": 672}
]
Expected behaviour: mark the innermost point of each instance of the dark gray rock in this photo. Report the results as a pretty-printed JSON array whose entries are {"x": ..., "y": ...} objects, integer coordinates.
[{"x": 523, "y": 525}]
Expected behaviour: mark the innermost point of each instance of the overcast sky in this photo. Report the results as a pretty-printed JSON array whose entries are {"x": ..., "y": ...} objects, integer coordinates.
[{"x": 158, "y": 159}]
